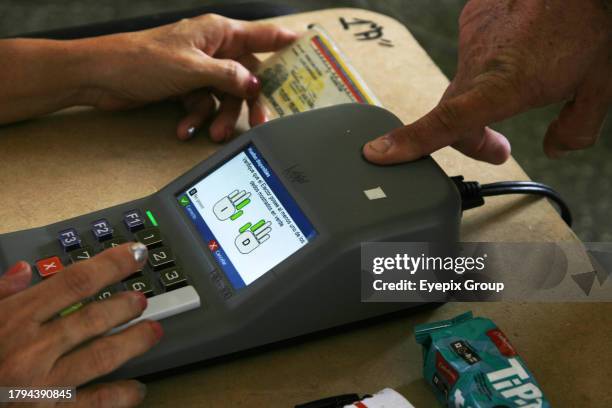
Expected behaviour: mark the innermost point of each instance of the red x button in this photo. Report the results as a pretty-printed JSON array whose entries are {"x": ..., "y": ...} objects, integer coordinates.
[
  {"x": 213, "y": 245},
  {"x": 49, "y": 266}
]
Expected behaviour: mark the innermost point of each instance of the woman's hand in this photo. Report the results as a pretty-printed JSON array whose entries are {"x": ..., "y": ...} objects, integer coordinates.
[
  {"x": 195, "y": 59},
  {"x": 39, "y": 350},
  {"x": 515, "y": 56}
]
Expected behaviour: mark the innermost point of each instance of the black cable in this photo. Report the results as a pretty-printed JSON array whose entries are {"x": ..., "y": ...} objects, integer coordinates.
[{"x": 472, "y": 193}]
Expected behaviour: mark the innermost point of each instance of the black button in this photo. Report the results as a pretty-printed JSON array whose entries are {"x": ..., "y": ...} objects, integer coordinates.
[
  {"x": 160, "y": 258},
  {"x": 102, "y": 229},
  {"x": 82, "y": 254},
  {"x": 106, "y": 293},
  {"x": 136, "y": 274},
  {"x": 114, "y": 242},
  {"x": 141, "y": 284},
  {"x": 172, "y": 278},
  {"x": 69, "y": 239},
  {"x": 133, "y": 220},
  {"x": 150, "y": 237}
]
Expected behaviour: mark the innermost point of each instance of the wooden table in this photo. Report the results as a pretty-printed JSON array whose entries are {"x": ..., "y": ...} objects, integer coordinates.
[{"x": 132, "y": 154}]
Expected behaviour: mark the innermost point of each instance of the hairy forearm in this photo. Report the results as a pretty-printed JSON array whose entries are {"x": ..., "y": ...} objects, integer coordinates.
[{"x": 41, "y": 76}]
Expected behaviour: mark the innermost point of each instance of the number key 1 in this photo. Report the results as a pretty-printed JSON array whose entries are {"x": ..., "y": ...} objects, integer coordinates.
[{"x": 150, "y": 237}]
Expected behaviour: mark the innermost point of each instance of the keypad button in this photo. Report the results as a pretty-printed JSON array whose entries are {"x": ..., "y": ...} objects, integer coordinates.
[
  {"x": 150, "y": 237},
  {"x": 142, "y": 284},
  {"x": 136, "y": 274},
  {"x": 81, "y": 254},
  {"x": 172, "y": 278},
  {"x": 106, "y": 293},
  {"x": 111, "y": 243},
  {"x": 160, "y": 258},
  {"x": 133, "y": 220},
  {"x": 102, "y": 229},
  {"x": 49, "y": 266},
  {"x": 69, "y": 239}
]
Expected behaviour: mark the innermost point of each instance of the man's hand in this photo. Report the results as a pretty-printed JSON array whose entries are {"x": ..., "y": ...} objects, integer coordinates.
[
  {"x": 39, "y": 350},
  {"x": 515, "y": 56},
  {"x": 197, "y": 61}
]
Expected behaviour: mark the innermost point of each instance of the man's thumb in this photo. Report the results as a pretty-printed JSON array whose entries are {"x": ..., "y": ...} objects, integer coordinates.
[{"x": 448, "y": 123}]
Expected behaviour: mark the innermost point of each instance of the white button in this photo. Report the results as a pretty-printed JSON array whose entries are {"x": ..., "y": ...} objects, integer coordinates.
[
  {"x": 375, "y": 193},
  {"x": 165, "y": 305}
]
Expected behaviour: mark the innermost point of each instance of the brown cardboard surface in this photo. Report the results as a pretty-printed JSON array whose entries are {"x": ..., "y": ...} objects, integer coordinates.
[{"x": 81, "y": 160}]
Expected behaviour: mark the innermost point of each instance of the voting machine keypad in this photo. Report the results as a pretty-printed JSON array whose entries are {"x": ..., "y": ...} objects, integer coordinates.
[{"x": 161, "y": 279}]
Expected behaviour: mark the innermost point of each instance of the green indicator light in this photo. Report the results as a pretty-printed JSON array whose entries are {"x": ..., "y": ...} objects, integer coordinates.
[{"x": 152, "y": 218}]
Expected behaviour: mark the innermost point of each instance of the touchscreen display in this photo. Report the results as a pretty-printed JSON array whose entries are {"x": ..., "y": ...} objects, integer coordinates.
[{"x": 246, "y": 217}]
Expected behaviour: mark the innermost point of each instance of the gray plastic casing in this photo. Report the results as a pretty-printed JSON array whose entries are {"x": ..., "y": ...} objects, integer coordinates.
[{"x": 317, "y": 156}]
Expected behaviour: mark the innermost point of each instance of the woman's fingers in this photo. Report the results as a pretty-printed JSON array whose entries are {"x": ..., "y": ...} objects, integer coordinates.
[
  {"x": 254, "y": 37},
  {"x": 93, "y": 320},
  {"x": 106, "y": 354},
  {"x": 79, "y": 281},
  {"x": 237, "y": 37},
  {"x": 16, "y": 279},
  {"x": 228, "y": 76},
  {"x": 258, "y": 113},
  {"x": 200, "y": 107},
  {"x": 223, "y": 126},
  {"x": 118, "y": 394}
]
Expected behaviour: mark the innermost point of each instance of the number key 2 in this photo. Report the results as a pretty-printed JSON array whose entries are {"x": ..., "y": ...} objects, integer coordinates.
[
  {"x": 142, "y": 284},
  {"x": 160, "y": 258},
  {"x": 172, "y": 278}
]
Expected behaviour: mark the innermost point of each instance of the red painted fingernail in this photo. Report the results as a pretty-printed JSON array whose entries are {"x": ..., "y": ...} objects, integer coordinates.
[
  {"x": 253, "y": 87},
  {"x": 157, "y": 329},
  {"x": 141, "y": 299},
  {"x": 18, "y": 268}
]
